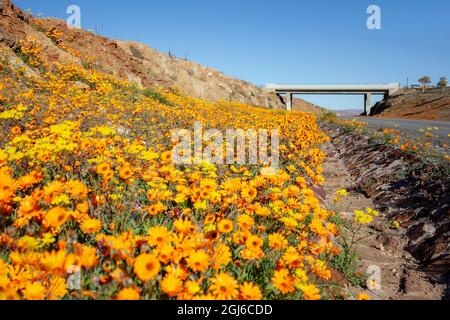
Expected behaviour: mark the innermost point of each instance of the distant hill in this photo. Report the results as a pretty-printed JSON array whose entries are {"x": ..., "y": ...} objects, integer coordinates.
[
  {"x": 348, "y": 113},
  {"x": 127, "y": 60},
  {"x": 433, "y": 104}
]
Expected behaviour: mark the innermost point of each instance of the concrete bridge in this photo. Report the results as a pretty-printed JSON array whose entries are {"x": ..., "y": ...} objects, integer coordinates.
[{"x": 286, "y": 92}]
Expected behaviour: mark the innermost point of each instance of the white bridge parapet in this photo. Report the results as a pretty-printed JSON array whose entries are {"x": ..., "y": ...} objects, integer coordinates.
[{"x": 286, "y": 91}]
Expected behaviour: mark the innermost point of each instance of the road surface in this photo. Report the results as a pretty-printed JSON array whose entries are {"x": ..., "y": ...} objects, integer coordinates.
[
  {"x": 412, "y": 126},
  {"x": 417, "y": 128}
]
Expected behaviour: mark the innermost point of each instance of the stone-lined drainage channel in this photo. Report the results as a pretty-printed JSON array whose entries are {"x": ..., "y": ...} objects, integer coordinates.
[{"x": 382, "y": 247}]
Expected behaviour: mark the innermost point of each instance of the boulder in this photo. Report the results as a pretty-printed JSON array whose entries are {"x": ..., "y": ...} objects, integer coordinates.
[{"x": 8, "y": 39}]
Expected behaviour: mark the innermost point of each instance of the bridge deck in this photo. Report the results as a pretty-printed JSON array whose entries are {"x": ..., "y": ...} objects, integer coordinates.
[{"x": 333, "y": 88}]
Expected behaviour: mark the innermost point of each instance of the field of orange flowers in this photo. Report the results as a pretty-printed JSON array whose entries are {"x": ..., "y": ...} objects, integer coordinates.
[{"x": 87, "y": 186}]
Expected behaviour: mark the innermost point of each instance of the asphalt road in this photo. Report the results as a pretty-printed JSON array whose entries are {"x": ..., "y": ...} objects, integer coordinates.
[{"x": 440, "y": 129}]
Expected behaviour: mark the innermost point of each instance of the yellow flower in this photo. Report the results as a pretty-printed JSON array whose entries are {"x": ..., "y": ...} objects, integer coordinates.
[
  {"x": 126, "y": 173},
  {"x": 61, "y": 200},
  {"x": 56, "y": 217},
  {"x": 301, "y": 277},
  {"x": 198, "y": 261},
  {"x": 29, "y": 242},
  {"x": 171, "y": 285},
  {"x": 209, "y": 185},
  {"x": 363, "y": 296},
  {"x": 254, "y": 243},
  {"x": 221, "y": 256},
  {"x": 283, "y": 282},
  {"x": 47, "y": 240},
  {"x": 245, "y": 222},
  {"x": 366, "y": 217},
  {"x": 310, "y": 292},
  {"x": 103, "y": 168},
  {"x": 193, "y": 287},
  {"x": 224, "y": 287},
  {"x": 225, "y": 226},
  {"x": 342, "y": 193},
  {"x": 129, "y": 294},
  {"x": 249, "y": 193},
  {"x": 372, "y": 212},
  {"x": 58, "y": 288},
  {"x": 158, "y": 236},
  {"x": 249, "y": 291},
  {"x": 166, "y": 156},
  {"x": 183, "y": 226},
  {"x": 277, "y": 241},
  {"x": 395, "y": 225},
  {"x": 156, "y": 209},
  {"x": 362, "y": 217},
  {"x": 180, "y": 198},
  {"x": 146, "y": 267},
  {"x": 91, "y": 226},
  {"x": 34, "y": 291},
  {"x": 201, "y": 205}
]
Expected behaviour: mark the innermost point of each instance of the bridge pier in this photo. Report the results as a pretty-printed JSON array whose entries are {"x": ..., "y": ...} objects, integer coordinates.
[
  {"x": 367, "y": 103},
  {"x": 288, "y": 101}
]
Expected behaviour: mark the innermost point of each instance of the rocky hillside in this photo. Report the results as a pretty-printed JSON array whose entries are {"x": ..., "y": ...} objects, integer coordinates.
[
  {"x": 433, "y": 104},
  {"x": 127, "y": 60}
]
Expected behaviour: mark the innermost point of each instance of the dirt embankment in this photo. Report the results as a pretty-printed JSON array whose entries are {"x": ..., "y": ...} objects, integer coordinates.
[
  {"x": 432, "y": 104},
  {"x": 405, "y": 190},
  {"x": 128, "y": 60}
]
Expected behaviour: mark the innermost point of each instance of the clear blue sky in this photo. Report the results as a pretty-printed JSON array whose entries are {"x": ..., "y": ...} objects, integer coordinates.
[{"x": 282, "y": 41}]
